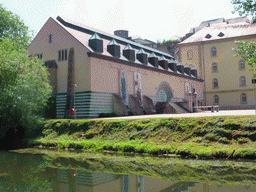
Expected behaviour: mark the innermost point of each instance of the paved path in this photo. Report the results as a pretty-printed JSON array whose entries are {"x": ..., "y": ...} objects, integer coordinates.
[{"x": 201, "y": 114}]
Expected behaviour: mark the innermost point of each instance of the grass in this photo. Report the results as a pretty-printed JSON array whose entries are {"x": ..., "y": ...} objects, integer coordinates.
[{"x": 201, "y": 137}]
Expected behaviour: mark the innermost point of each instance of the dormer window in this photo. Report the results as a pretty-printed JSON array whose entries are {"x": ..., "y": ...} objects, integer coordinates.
[
  {"x": 208, "y": 36},
  {"x": 221, "y": 34}
]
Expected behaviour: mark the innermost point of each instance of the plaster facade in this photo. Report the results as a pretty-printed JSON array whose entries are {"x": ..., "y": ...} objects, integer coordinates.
[
  {"x": 85, "y": 75},
  {"x": 224, "y": 77}
]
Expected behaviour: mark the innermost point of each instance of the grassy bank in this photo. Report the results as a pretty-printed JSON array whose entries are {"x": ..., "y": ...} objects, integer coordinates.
[{"x": 203, "y": 137}]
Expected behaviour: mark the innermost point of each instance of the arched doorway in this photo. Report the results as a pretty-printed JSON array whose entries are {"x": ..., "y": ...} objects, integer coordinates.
[{"x": 164, "y": 92}]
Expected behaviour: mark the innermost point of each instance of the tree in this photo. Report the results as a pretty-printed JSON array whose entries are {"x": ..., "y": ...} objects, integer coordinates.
[
  {"x": 245, "y": 7},
  {"x": 24, "y": 89},
  {"x": 13, "y": 27},
  {"x": 246, "y": 49}
]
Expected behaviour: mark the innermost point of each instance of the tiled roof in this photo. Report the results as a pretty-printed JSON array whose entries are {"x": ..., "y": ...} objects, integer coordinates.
[
  {"x": 84, "y": 34},
  {"x": 222, "y": 31},
  {"x": 81, "y": 31}
]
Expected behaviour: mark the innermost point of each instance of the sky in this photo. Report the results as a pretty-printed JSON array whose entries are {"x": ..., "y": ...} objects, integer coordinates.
[{"x": 156, "y": 21}]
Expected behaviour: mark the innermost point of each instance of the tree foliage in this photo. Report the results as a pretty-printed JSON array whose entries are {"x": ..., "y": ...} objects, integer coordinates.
[
  {"x": 245, "y": 7},
  {"x": 247, "y": 50},
  {"x": 13, "y": 27},
  {"x": 24, "y": 89}
]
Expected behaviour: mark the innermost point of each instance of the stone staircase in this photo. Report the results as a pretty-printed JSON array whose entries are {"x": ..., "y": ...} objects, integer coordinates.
[{"x": 178, "y": 108}]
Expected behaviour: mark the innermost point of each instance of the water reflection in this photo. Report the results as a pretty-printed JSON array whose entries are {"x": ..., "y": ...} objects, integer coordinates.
[
  {"x": 26, "y": 172},
  {"x": 79, "y": 180}
]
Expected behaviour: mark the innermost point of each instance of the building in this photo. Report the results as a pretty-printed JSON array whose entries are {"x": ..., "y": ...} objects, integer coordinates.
[
  {"x": 96, "y": 72},
  {"x": 210, "y": 51}
]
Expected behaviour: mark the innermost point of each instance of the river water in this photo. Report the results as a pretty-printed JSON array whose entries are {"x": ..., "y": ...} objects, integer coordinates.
[{"x": 49, "y": 170}]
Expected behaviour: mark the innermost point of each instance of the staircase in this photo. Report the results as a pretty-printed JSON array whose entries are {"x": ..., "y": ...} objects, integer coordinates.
[{"x": 178, "y": 108}]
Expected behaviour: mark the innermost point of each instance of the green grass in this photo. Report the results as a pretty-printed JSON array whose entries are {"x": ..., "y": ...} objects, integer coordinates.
[{"x": 202, "y": 137}]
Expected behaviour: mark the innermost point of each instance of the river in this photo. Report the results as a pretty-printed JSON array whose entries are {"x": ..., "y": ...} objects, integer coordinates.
[{"x": 51, "y": 170}]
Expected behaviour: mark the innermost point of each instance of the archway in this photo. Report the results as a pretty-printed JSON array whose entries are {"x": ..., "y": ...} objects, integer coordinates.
[{"x": 164, "y": 92}]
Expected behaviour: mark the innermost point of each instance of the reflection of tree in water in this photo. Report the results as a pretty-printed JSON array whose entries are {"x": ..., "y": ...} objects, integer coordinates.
[
  {"x": 23, "y": 172},
  {"x": 180, "y": 186}
]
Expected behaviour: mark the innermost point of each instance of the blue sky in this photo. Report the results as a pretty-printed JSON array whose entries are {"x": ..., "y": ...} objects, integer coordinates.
[{"x": 153, "y": 21}]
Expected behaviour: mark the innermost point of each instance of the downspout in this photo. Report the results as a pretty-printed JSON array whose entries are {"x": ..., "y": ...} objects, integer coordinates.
[{"x": 203, "y": 66}]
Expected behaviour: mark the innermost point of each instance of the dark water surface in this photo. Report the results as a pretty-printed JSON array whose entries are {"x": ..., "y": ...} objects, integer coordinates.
[{"x": 48, "y": 170}]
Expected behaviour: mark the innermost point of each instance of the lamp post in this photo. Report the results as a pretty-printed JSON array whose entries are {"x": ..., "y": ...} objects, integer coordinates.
[
  {"x": 75, "y": 86},
  {"x": 254, "y": 82},
  {"x": 190, "y": 100},
  {"x": 195, "y": 94}
]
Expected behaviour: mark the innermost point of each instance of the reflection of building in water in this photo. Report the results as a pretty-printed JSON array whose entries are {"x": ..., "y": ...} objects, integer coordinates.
[{"x": 80, "y": 180}]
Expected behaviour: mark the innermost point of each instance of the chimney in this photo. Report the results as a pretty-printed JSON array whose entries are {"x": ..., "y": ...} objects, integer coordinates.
[{"x": 122, "y": 33}]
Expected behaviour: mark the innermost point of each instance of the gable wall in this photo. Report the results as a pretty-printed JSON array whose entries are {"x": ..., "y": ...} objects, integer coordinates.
[{"x": 61, "y": 39}]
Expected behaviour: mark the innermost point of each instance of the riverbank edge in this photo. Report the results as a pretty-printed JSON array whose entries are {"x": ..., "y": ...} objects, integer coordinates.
[{"x": 226, "y": 137}]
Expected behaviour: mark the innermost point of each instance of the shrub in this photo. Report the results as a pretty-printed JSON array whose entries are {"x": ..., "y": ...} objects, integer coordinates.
[
  {"x": 211, "y": 137},
  {"x": 243, "y": 140},
  {"x": 223, "y": 140}
]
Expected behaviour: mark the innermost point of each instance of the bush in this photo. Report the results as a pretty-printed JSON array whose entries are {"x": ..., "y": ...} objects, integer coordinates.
[{"x": 50, "y": 108}]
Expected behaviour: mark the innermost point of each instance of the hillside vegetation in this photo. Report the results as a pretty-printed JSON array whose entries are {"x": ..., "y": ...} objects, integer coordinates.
[{"x": 203, "y": 137}]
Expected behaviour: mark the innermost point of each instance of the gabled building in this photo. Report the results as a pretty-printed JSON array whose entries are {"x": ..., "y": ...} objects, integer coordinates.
[
  {"x": 96, "y": 72},
  {"x": 228, "y": 83}
]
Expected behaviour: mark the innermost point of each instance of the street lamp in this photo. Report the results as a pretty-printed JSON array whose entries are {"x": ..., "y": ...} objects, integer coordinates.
[
  {"x": 195, "y": 93},
  {"x": 190, "y": 101}
]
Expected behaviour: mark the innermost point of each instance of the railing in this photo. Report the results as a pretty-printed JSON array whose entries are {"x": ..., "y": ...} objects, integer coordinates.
[{"x": 207, "y": 108}]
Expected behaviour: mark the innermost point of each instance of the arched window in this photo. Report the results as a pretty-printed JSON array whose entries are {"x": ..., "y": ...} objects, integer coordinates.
[
  {"x": 242, "y": 81},
  {"x": 214, "y": 51},
  {"x": 243, "y": 98},
  {"x": 214, "y": 67},
  {"x": 190, "y": 55},
  {"x": 216, "y": 100},
  {"x": 215, "y": 83},
  {"x": 241, "y": 65}
]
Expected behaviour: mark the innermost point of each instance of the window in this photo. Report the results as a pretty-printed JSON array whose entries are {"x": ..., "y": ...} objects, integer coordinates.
[
  {"x": 215, "y": 83},
  {"x": 214, "y": 51},
  {"x": 243, "y": 98},
  {"x": 122, "y": 86},
  {"x": 241, "y": 65},
  {"x": 39, "y": 56},
  {"x": 221, "y": 34},
  {"x": 50, "y": 38},
  {"x": 214, "y": 67},
  {"x": 208, "y": 36},
  {"x": 190, "y": 55},
  {"x": 216, "y": 100},
  {"x": 242, "y": 81},
  {"x": 63, "y": 55}
]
